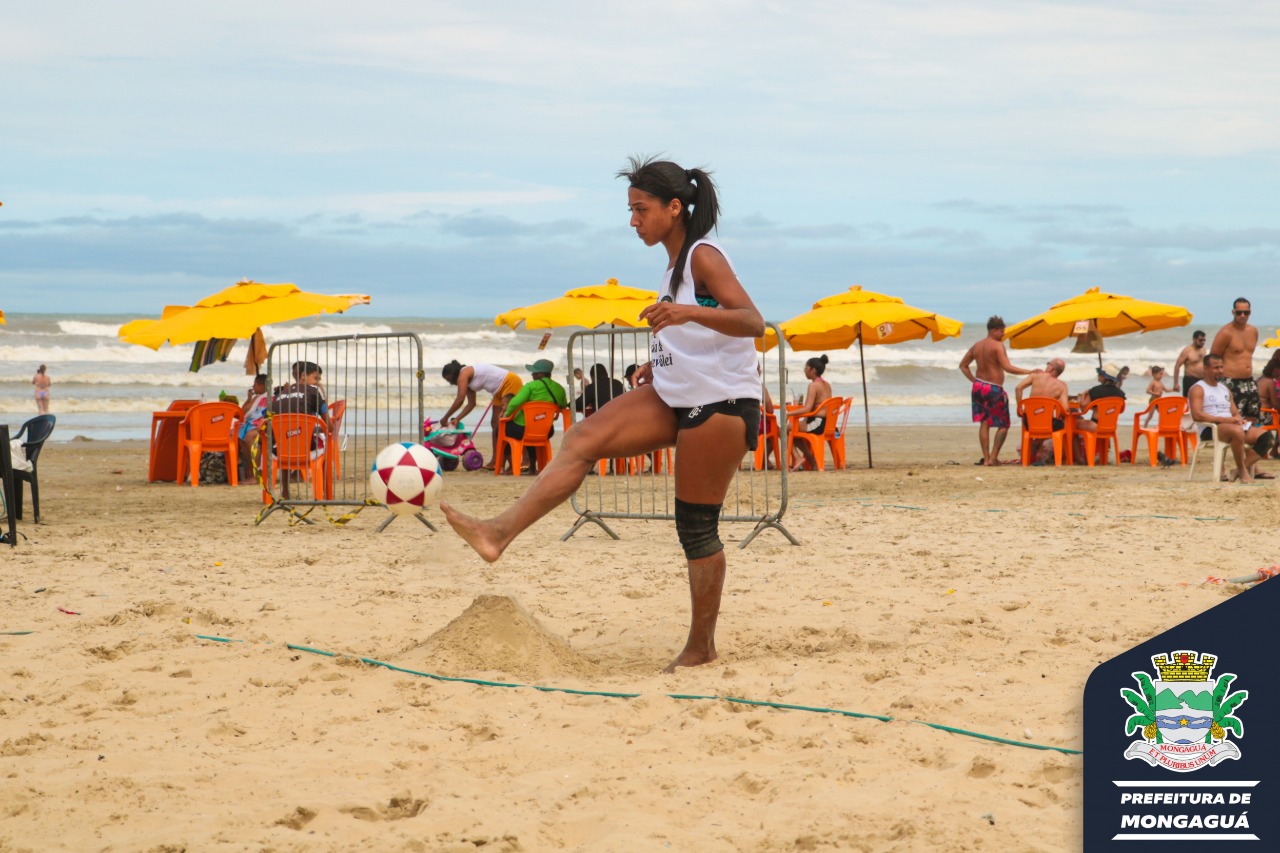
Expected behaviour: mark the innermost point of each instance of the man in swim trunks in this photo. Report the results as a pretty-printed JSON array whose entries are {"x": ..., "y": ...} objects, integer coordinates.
[
  {"x": 988, "y": 397},
  {"x": 1235, "y": 343},
  {"x": 1192, "y": 360}
]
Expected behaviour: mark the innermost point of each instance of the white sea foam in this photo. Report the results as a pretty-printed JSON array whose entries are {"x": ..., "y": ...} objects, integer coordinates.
[{"x": 105, "y": 386}]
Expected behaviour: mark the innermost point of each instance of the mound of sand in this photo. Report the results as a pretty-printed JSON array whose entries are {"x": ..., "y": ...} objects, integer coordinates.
[{"x": 496, "y": 634}]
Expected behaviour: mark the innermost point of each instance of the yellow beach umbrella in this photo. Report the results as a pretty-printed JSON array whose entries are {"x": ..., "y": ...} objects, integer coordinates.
[
  {"x": 866, "y": 317},
  {"x": 1, "y": 318},
  {"x": 238, "y": 311},
  {"x": 1272, "y": 342},
  {"x": 609, "y": 304},
  {"x": 1108, "y": 313}
]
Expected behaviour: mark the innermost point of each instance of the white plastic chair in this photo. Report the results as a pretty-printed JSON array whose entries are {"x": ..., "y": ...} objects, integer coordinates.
[{"x": 1220, "y": 449}]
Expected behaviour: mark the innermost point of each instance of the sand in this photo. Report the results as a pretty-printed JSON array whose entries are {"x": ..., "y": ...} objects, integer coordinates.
[{"x": 926, "y": 589}]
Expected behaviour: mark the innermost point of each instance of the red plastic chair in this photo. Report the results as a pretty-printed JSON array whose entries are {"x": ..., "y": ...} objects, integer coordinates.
[
  {"x": 1040, "y": 413},
  {"x": 210, "y": 428},
  {"x": 292, "y": 437},
  {"x": 1169, "y": 411},
  {"x": 539, "y": 418},
  {"x": 1108, "y": 411},
  {"x": 830, "y": 409}
]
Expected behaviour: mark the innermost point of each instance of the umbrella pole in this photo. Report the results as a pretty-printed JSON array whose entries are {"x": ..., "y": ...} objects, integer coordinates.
[{"x": 866, "y": 412}]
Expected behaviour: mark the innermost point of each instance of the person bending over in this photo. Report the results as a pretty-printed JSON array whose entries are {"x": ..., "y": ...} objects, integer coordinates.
[
  {"x": 501, "y": 383},
  {"x": 699, "y": 393}
]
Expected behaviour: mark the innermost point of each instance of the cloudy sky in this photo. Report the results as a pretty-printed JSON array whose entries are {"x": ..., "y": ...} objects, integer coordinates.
[{"x": 457, "y": 158}]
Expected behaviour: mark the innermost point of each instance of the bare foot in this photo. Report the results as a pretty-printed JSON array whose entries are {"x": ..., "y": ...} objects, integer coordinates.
[
  {"x": 691, "y": 658},
  {"x": 480, "y": 535}
]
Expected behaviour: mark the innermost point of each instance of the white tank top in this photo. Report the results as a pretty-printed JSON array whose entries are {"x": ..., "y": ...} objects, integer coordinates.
[
  {"x": 1217, "y": 401},
  {"x": 488, "y": 378},
  {"x": 694, "y": 365}
]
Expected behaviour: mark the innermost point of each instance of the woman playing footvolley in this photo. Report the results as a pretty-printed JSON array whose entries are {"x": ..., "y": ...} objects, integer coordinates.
[{"x": 699, "y": 393}]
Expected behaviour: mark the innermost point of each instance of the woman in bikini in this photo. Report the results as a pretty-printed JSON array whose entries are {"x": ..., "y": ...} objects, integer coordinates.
[
  {"x": 819, "y": 392},
  {"x": 699, "y": 393},
  {"x": 42, "y": 383}
]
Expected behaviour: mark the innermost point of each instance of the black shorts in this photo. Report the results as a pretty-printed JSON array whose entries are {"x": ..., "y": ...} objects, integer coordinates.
[
  {"x": 748, "y": 410},
  {"x": 515, "y": 430},
  {"x": 1058, "y": 423}
]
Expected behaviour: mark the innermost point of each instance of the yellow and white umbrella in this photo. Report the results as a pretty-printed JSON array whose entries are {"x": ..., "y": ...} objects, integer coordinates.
[
  {"x": 1108, "y": 313},
  {"x": 608, "y": 304},
  {"x": 238, "y": 311},
  {"x": 865, "y": 316}
]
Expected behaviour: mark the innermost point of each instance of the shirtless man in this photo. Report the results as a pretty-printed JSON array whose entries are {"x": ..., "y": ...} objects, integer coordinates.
[
  {"x": 1192, "y": 358},
  {"x": 1211, "y": 403},
  {"x": 988, "y": 397},
  {"x": 1045, "y": 383},
  {"x": 1234, "y": 344}
]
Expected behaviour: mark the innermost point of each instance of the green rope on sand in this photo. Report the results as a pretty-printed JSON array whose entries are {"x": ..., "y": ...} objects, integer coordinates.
[{"x": 682, "y": 696}]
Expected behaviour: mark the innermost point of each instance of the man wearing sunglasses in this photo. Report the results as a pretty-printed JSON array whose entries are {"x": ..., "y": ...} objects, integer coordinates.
[{"x": 1235, "y": 343}]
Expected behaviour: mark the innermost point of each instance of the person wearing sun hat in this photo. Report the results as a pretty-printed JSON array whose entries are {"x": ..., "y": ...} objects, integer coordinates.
[
  {"x": 542, "y": 389},
  {"x": 1107, "y": 386}
]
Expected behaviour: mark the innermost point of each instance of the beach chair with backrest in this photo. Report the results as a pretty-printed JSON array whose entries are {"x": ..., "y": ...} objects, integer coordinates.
[
  {"x": 1272, "y": 419},
  {"x": 1040, "y": 413},
  {"x": 837, "y": 441},
  {"x": 293, "y": 446},
  {"x": 1107, "y": 411},
  {"x": 1220, "y": 449},
  {"x": 830, "y": 409},
  {"x": 539, "y": 418},
  {"x": 337, "y": 414},
  {"x": 32, "y": 437},
  {"x": 1169, "y": 411},
  {"x": 211, "y": 428},
  {"x": 768, "y": 439},
  {"x": 166, "y": 441}
]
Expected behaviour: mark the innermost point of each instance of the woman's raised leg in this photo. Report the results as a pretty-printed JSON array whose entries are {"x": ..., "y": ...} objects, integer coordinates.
[{"x": 635, "y": 423}]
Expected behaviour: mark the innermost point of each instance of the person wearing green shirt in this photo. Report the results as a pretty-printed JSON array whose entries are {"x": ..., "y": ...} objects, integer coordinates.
[{"x": 542, "y": 389}]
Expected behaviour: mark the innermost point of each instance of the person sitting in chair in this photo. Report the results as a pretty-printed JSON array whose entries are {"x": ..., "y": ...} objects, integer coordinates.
[
  {"x": 1045, "y": 384},
  {"x": 542, "y": 389},
  {"x": 1211, "y": 403}
]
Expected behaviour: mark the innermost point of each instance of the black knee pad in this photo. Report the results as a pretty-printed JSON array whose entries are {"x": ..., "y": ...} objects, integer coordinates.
[{"x": 698, "y": 527}]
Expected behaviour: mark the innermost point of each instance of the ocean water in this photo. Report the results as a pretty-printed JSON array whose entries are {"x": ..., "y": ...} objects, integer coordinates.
[{"x": 104, "y": 389}]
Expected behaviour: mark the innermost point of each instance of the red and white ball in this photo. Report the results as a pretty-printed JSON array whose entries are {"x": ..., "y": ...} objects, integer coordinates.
[{"x": 405, "y": 478}]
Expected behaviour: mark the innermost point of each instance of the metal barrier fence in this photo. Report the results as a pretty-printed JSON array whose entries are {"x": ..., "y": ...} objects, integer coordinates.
[
  {"x": 373, "y": 387},
  {"x": 643, "y": 489}
]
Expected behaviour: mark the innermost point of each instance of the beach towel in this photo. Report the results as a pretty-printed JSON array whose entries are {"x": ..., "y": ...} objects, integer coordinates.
[{"x": 207, "y": 352}]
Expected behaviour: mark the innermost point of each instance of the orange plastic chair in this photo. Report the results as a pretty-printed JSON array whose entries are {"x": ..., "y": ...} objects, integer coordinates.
[
  {"x": 210, "y": 428},
  {"x": 830, "y": 409},
  {"x": 768, "y": 438},
  {"x": 1040, "y": 413},
  {"x": 1108, "y": 411},
  {"x": 291, "y": 439},
  {"x": 1274, "y": 423},
  {"x": 166, "y": 442},
  {"x": 337, "y": 409},
  {"x": 1169, "y": 411},
  {"x": 837, "y": 442},
  {"x": 539, "y": 418}
]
